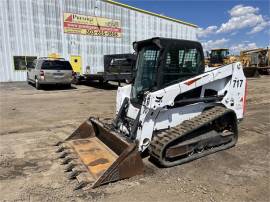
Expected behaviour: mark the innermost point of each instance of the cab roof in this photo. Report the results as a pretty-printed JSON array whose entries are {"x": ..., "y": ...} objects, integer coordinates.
[
  {"x": 165, "y": 42},
  {"x": 217, "y": 49}
]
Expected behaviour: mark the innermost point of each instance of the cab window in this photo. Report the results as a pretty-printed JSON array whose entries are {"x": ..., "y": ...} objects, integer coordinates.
[{"x": 181, "y": 63}]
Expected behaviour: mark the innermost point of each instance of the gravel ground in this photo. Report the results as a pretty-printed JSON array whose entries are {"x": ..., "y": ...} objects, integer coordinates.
[{"x": 31, "y": 121}]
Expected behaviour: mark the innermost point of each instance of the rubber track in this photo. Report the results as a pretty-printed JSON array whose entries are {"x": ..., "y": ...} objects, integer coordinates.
[{"x": 161, "y": 140}]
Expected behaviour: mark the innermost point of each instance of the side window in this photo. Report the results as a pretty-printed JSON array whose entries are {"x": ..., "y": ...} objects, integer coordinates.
[
  {"x": 33, "y": 65},
  {"x": 181, "y": 57},
  {"x": 39, "y": 63},
  {"x": 180, "y": 64},
  {"x": 30, "y": 60},
  {"x": 191, "y": 61},
  {"x": 150, "y": 57},
  {"x": 22, "y": 62},
  {"x": 19, "y": 63}
]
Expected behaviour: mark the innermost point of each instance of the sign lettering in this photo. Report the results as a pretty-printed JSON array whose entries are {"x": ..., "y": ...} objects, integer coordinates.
[{"x": 89, "y": 25}]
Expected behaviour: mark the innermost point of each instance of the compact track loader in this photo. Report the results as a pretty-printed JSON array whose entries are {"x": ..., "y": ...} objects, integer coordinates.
[{"x": 174, "y": 111}]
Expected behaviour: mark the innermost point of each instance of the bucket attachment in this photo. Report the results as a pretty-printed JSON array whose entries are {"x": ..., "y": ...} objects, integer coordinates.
[{"x": 95, "y": 155}]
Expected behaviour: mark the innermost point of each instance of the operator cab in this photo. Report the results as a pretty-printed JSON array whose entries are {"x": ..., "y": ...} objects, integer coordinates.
[
  {"x": 217, "y": 56},
  {"x": 162, "y": 62}
]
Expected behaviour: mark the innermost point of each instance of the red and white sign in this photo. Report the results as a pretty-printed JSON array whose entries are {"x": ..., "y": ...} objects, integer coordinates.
[{"x": 89, "y": 25}]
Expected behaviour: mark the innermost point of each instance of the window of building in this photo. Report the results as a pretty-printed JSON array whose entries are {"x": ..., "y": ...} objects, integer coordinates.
[{"x": 21, "y": 62}]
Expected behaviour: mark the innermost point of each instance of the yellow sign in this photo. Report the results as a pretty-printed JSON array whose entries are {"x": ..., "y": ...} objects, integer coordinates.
[
  {"x": 89, "y": 25},
  {"x": 76, "y": 63}
]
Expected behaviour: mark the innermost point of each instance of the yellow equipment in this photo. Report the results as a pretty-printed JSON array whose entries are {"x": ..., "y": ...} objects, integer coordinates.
[
  {"x": 255, "y": 61},
  {"x": 219, "y": 57}
]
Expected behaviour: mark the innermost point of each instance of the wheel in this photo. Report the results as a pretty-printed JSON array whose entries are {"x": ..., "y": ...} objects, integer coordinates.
[
  {"x": 76, "y": 81},
  {"x": 37, "y": 85}
]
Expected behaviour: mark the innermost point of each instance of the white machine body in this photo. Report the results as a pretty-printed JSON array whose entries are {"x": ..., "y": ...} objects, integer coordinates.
[{"x": 157, "y": 111}]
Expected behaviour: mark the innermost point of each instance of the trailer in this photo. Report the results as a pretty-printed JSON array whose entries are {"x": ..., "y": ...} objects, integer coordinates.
[{"x": 117, "y": 67}]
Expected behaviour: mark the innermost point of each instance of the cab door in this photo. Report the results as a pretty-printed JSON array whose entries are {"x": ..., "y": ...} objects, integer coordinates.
[{"x": 76, "y": 63}]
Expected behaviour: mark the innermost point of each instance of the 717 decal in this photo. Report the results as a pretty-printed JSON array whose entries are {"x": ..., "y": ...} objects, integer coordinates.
[{"x": 237, "y": 83}]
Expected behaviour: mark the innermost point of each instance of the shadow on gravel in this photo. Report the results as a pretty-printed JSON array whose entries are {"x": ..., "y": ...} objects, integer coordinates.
[
  {"x": 98, "y": 85},
  {"x": 57, "y": 87},
  {"x": 54, "y": 87}
]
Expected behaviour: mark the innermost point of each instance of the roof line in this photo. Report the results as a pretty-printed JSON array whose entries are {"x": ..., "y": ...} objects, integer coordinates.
[{"x": 150, "y": 13}]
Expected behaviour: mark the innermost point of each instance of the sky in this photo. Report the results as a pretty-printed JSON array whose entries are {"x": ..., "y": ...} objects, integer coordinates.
[{"x": 232, "y": 24}]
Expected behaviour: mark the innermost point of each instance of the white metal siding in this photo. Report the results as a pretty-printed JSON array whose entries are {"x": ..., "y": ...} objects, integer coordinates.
[{"x": 35, "y": 28}]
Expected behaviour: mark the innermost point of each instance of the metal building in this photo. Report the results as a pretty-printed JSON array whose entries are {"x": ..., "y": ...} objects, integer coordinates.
[{"x": 81, "y": 31}]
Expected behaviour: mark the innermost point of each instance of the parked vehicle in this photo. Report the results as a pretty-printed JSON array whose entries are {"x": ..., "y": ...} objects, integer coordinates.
[
  {"x": 117, "y": 67},
  {"x": 256, "y": 61},
  {"x": 220, "y": 57},
  {"x": 47, "y": 70}
]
